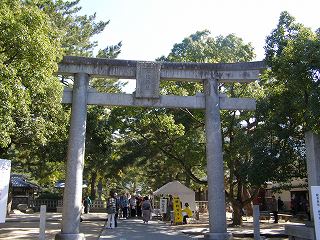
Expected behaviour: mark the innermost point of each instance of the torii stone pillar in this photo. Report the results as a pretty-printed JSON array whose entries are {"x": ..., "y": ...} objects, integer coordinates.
[
  {"x": 215, "y": 173},
  {"x": 73, "y": 186},
  {"x": 313, "y": 163}
]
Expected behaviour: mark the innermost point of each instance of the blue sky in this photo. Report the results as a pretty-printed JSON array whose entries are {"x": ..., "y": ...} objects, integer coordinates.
[{"x": 148, "y": 29}]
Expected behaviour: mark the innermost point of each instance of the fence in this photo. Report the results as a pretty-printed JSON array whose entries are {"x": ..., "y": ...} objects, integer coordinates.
[
  {"x": 202, "y": 206},
  {"x": 97, "y": 205},
  {"x": 51, "y": 204}
]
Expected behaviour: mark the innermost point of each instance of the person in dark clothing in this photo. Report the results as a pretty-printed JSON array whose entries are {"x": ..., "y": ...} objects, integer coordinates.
[
  {"x": 170, "y": 214},
  {"x": 274, "y": 209},
  {"x": 133, "y": 206},
  {"x": 139, "y": 210},
  {"x": 117, "y": 209},
  {"x": 280, "y": 204},
  {"x": 124, "y": 202},
  {"x": 87, "y": 203}
]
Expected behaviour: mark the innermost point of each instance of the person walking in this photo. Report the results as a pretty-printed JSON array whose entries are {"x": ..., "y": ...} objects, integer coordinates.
[
  {"x": 117, "y": 209},
  {"x": 146, "y": 209},
  {"x": 170, "y": 214},
  {"x": 124, "y": 206},
  {"x": 111, "y": 210},
  {"x": 139, "y": 201},
  {"x": 274, "y": 208},
  {"x": 87, "y": 203},
  {"x": 133, "y": 206}
]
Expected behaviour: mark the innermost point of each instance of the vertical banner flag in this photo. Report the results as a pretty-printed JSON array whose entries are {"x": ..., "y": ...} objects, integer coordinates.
[
  {"x": 315, "y": 193},
  {"x": 177, "y": 210},
  {"x": 5, "y": 167},
  {"x": 163, "y": 205}
]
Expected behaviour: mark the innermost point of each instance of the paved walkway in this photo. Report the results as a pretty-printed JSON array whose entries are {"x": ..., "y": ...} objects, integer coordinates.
[
  {"x": 26, "y": 226},
  {"x": 132, "y": 229}
]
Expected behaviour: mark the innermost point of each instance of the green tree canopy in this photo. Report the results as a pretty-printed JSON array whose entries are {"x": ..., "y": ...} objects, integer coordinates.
[
  {"x": 290, "y": 106},
  {"x": 34, "y": 37}
]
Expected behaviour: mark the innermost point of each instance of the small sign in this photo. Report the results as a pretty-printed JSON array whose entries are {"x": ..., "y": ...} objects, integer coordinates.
[
  {"x": 177, "y": 210},
  {"x": 315, "y": 193},
  {"x": 148, "y": 80},
  {"x": 5, "y": 168},
  {"x": 163, "y": 205}
]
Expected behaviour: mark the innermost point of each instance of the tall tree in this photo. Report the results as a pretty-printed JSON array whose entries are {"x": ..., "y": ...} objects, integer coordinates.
[
  {"x": 292, "y": 97},
  {"x": 30, "y": 96},
  {"x": 33, "y": 123},
  {"x": 292, "y": 52}
]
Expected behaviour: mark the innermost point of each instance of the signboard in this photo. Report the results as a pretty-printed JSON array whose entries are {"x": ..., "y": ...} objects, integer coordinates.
[
  {"x": 315, "y": 193},
  {"x": 177, "y": 210},
  {"x": 5, "y": 167},
  {"x": 148, "y": 80},
  {"x": 163, "y": 205}
]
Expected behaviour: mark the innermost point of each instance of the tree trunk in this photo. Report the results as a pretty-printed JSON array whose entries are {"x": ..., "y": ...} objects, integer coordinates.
[
  {"x": 93, "y": 185},
  {"x": 188, "y": 180},
  {"x": 248, "y": 206},
  {"x": 237, "y": 215}
]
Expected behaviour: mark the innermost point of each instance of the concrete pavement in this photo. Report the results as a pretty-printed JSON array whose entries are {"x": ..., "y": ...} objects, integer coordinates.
[
  {"x": 135, "y": 229},
  {"x": 26, "y": 226}
]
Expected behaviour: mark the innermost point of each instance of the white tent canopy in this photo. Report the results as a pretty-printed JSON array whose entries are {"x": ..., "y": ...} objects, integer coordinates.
[{"x": 176, "y": 188}]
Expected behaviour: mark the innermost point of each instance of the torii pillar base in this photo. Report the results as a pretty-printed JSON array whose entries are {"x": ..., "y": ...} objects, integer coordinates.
[{"x": 71, "y": 236}]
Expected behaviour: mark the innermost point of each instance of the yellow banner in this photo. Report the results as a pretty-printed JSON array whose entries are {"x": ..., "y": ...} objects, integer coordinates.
[{"x": 177, "y": 210}]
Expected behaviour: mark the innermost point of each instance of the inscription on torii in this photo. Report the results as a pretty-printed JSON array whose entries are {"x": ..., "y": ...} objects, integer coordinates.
[{"x": 148, "y": 80}]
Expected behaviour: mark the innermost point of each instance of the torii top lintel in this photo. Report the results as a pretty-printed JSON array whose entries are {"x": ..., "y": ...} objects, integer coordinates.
[{"x": 223, "y": 72}]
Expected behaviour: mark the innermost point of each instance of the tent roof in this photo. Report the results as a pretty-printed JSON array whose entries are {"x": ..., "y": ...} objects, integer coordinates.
[{"x": 172, "y": 188}]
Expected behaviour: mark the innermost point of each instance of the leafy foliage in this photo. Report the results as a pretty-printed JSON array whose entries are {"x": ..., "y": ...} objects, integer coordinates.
[{"x": 33, "y": 123}]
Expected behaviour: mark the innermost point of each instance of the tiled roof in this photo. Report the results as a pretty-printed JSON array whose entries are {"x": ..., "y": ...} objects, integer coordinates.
[{"x": 20, "y": 181}]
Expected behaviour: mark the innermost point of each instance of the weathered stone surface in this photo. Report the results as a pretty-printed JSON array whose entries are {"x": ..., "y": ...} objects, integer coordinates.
[
  {"x": 70, "y": 236},
  {"x": 313, "y": 158},
  {"x": 313, "y": 162},
  {"x": 300, "y": 232},
  {"x": 256, "y": 222},
  {"x": 148, "y": 80},
  {"x": 75, "y": 160},
  {"x": 192, "y": 102},
  {"x": 22, "y": 207},
  {"x": 224, "y": 72},
  {"x": 215, "y": 173}
]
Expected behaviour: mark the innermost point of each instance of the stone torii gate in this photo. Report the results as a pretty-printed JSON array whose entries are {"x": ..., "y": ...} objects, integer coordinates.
[{"x": 148, "y": 76}]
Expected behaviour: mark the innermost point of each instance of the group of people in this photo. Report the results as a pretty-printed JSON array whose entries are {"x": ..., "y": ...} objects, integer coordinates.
[
  {"x": 300, "y": 204},
  {"x": 127, "y": 206},
  {"x": 130, "y": 205}
]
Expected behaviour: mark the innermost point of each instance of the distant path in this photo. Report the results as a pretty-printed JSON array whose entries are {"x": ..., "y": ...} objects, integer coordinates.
[{"x": 135, "y": 229}]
